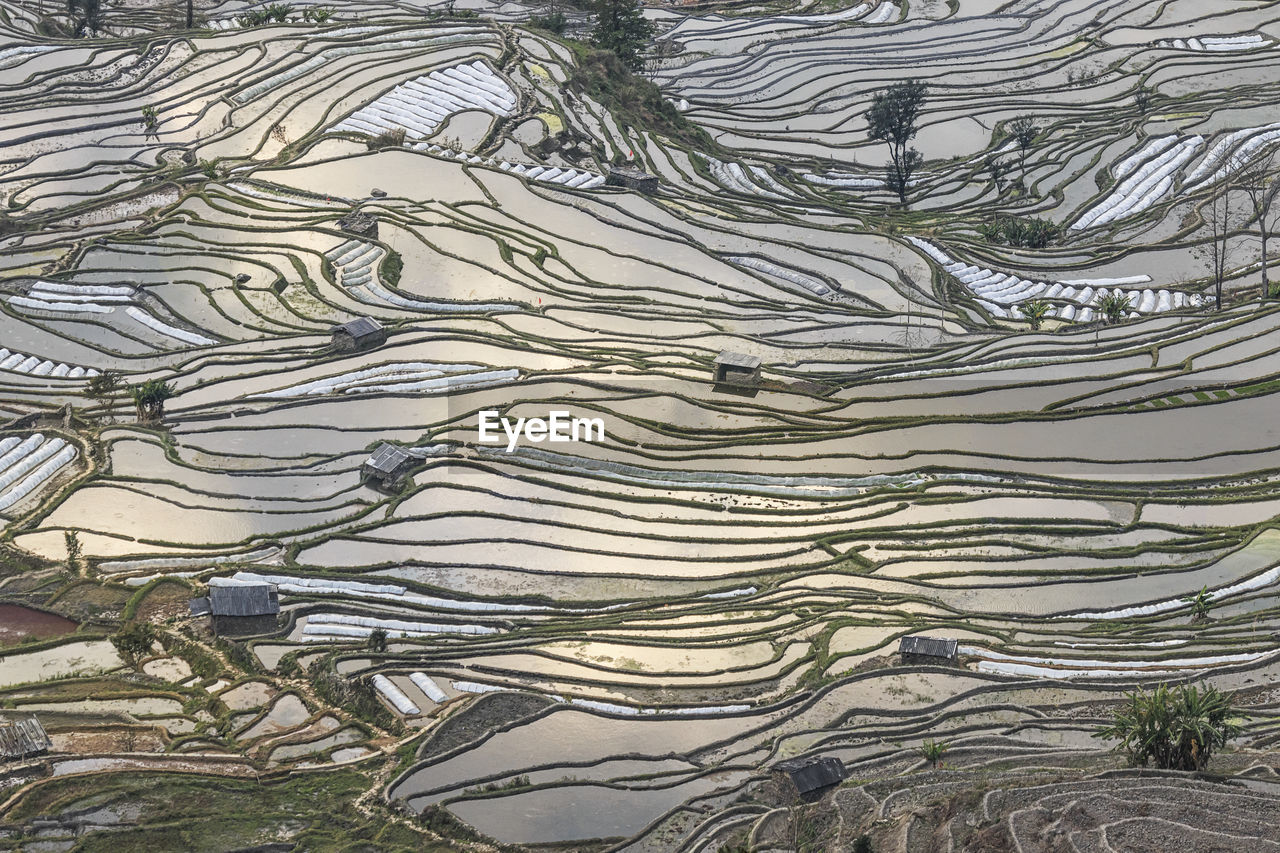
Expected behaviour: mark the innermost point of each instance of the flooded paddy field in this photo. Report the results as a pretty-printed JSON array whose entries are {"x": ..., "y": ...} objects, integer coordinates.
[{"x": 613, "y": 643}]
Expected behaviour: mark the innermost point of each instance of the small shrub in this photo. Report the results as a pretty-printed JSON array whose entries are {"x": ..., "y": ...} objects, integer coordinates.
[
  {"x": 239, "y": 654},
  {"x": 74, "y": 549},
  {"x": 393, "y": 138},
  {"x": 555, "y": 22},
  {"x": 1020, "y": 232},
  {"x": 133, "y": 641},
  {"x": 933, "y": 751}
]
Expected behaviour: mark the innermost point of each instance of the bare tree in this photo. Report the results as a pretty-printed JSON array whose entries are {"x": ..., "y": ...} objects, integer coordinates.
[
  {"x": 1260, "y": 183},
  {"x": 1220, "y": 218}
]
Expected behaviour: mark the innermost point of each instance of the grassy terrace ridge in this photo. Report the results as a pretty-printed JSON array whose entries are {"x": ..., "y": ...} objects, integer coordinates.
[{"x": 170, "y": 811}]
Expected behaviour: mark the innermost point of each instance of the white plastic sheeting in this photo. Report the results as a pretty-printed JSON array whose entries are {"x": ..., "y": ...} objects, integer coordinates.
[
  {"x": 1147, "y": 185},
  {"x": 355, "y": 263},
  {"x": 395, "y": 696},
  {"x": 1231, "y": 151},
  {"x": 60, "y": 297},
  {"x": 421, "y": 105},
  {"x": 815, "y": 286},
  {"x": 884, "y": 14},
  {"x": 1258, "y": 581},
  {"x": 754, "y": 180},
  {"x": 1067, "y": 668},
  {"x": 477, "y": 687},
  {"x": 389, "y": 592},
  {"x": 732, "y": 593},
  {"x": 847, "y": 181},
  {"x": 319, "y": 623},
  {"x": 33, "y": 365},
  {"x": 1074, "y": 301},
  {"x": 428, "y": 687},
  {"x": 165, "y": 329},
  {"x": 1218, "y": 44},
  {"x": 401, "y": 377},
  {"x": 28, "y": 463},
  {"x": 580, "y": 179}
]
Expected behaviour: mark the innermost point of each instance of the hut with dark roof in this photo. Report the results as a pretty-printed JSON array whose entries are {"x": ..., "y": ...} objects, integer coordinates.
[
  {"x": 359, "y": 334},
  {"x": 937, "y": 651},
  {"x": 360, "y": 224},
  {"x": 811, "y": 777},
  {"x": 387, "y": 467},
  {"x": 734, "y": 368},
  {"x": 239, "y": 609},
  {"x": 631, "y": 178}
]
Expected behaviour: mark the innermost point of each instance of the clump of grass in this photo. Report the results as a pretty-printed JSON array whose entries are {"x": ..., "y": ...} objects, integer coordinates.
[
  {"x": 1022, "y": 232},
  {"x": 552, "y": 22},
  {"x": 391, "y": 267},
  {"x": 393, "y": 138}
]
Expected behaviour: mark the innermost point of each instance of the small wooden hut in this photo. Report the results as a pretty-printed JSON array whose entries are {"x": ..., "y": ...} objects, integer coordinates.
[
  {"x": 241, "y": 609},
  {"x": 631, "y": 178},
  {"x": 359, "y": 334},
  {"x": 936, "y": 651},
  {"x": 812, "y": 776},
  {"x": 22, "y": 738},
  {"x": 734, "y": 368},
  {"x": 387, "y": 466}
]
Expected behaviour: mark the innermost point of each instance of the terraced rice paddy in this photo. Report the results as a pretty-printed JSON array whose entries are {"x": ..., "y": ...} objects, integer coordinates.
[{"x": 609, "y": 644}]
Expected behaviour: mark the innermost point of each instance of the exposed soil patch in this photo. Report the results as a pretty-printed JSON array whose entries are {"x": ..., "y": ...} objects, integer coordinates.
[{"x": 485, "y": 714}]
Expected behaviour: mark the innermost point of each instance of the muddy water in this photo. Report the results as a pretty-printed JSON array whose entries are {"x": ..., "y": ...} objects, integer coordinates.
[{"x": 18, "y": 624}]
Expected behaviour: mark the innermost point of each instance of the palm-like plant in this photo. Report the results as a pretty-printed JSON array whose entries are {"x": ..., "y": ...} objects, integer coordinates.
[
  {"x": 1199, "y": 602},
  {"x": 1114, "y": 306},
  {"x": 933, "y": 751},
  {"x": 1034, "y": 311},
  {"x": 149, "y": 399},
  {"x": 1176, "y": 729}
]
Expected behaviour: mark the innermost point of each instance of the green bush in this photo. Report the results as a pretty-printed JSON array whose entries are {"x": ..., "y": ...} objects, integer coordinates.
[
  {"x": 554, "y": 22},
  {"x": 133, "y": 641},
  {"x": 1021, "y": 232},
  {"x": 1175, "y": 729}
]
